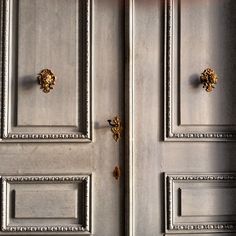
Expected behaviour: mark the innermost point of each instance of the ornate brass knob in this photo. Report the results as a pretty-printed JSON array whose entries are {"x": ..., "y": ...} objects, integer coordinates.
[
  {"x": 46, "y": 79},
  {"x": 116, "y": 127},
  {"x": 208, "y": 78}
]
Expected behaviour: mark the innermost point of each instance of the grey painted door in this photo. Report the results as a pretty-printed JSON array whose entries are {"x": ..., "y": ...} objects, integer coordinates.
[
  {"x": 57, "y": 151},
  {"x": 184, "y": 136}
]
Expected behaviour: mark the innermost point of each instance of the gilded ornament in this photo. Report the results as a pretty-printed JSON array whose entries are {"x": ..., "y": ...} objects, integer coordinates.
[
  {"x": 208, "y": 78},
  {"x": 46, "y": 79},
  {"x": 116, "y": 128}
]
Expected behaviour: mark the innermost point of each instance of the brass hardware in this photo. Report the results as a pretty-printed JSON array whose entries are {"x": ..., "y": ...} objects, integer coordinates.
[
  {"x": 46, "y": 79},
  {"x": 116, "y": 127},
  {"x": 117, "y": 172},
  {"x": 208, "y": 78}
]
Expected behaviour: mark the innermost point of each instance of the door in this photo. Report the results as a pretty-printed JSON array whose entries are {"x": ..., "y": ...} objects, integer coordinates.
[
  {"x": 184, "y": 135},
  {"x": 62, "y": 166}
]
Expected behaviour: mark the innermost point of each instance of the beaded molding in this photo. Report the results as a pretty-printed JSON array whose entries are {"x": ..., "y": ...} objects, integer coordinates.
[
  {"x": 84, "y": 179},
  {"x": 171, "y": 226},
  {"x": 169, "y": 134},
  {"x": 84, "y": 136}
]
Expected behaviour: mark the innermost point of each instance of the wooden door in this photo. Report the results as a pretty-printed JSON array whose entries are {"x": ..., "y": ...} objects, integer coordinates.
[
  {"x": 57, "y": 151},
  {"x": 184, "y": 136}
]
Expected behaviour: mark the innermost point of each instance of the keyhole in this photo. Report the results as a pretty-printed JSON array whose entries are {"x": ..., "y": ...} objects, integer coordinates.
[{"x": 116, "y": 172}]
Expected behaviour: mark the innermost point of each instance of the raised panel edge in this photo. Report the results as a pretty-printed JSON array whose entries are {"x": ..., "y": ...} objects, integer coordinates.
[
  {"x": 171, "y": 227},
  {"x": 169, "y": 133},
  {"x": 85, "y": 228},
  {"x": 6, "y": 135}
]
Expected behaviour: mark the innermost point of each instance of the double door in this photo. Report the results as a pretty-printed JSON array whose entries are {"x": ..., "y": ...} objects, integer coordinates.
[{"x": 62, "y": 167}]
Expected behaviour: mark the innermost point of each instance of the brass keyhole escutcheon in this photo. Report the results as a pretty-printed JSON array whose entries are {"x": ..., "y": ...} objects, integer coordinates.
[
  {"x": 116, "y": 127},
  {"x": 117, "y": 172},
  {"x": 209, "y": 79},
  {"x": 46, "y": 79}
]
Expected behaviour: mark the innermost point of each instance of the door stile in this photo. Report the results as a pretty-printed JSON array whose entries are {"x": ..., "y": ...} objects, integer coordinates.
[{"x": 129, "y": 118}]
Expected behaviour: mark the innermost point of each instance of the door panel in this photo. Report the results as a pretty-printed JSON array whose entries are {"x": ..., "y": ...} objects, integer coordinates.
[
  {"x": 33, "y": 43},
  {"x": 36, "y": 25},
  {"x": 46, "y": 204},
  {"x": 203, "y": 23},
  {"x": 200, "y": 202},
  {"x": 191, "y": 112},
  {"x": 52, "y": 182},
  {"x": 183, "y": 188}
]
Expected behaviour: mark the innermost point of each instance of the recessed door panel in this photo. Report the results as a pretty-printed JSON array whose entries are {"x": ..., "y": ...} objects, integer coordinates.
[
  {"x": 199, "y": 35},
  {"x": 47, "y": 36},
  {"x": 46, "y": 203},
  {"x": 200, "y": 202},
  {"x": 207, "y": 32},
  {"x": 39, "y": 36}
]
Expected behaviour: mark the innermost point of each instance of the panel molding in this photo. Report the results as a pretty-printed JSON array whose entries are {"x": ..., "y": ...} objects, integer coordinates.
[
  {"x": 169, "y": 133},
  {"x": 172, "y": 226},
  {"x": 80, "y": 136},
  {"x": 84, "y": 179}
]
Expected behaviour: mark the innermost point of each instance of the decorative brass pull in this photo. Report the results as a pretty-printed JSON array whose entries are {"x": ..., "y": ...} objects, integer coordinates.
[
  {"x": 46, "y": 79},
  {"x": 116, "y": 127},
  {"x": 208, "y": 78}
]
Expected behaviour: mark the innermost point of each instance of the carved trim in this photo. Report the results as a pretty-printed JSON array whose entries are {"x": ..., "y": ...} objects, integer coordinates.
[
  {"x": 205, "y": 227},
  {"x": 84, "y": 136},
  {"x": 4, "y": 199},
  {"x": 87, "y": 205},
  {"x": 171, "y": 226},
  {"x": 84, "y": 179},
  {"x": 203, "y": 177},
  {"x": 169, "y": 195},
  {"x": 1, "y": 55},
  {"x": 6, "y": 20},
  {"x": 169, "y": 67},
  {"x": 18, "y": 179},
  {"x": 56, "y": 228},
  {"x": 46, "y": 136},
  {"x": 88, "y": 69},
  {"x": 170, "y": 135}
]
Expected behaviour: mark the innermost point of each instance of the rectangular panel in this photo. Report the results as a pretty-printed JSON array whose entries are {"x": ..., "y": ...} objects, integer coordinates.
[
  {"x": 209, "y": 25},
  {"x": 46, "y": 203},
  {"x": 200, "y": 203},
  {"x": 212, "y": 202},
  {"x": 195, "y": 34},
  {"x": 40, "y": 46},
  {"x": 31, "y": 44}
]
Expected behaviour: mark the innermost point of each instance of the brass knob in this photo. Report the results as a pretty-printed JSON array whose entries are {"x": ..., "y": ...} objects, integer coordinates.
[
  {"x": 46, "y": 79},
  {"x": 116, "y": 127},
  {"x": 208, "y": 78}
]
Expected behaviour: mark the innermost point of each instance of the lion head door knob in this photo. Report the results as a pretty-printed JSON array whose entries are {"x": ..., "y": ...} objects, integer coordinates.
[
  {"x": 46, "y": 79},
  {"x": 208, "y": 78}
]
